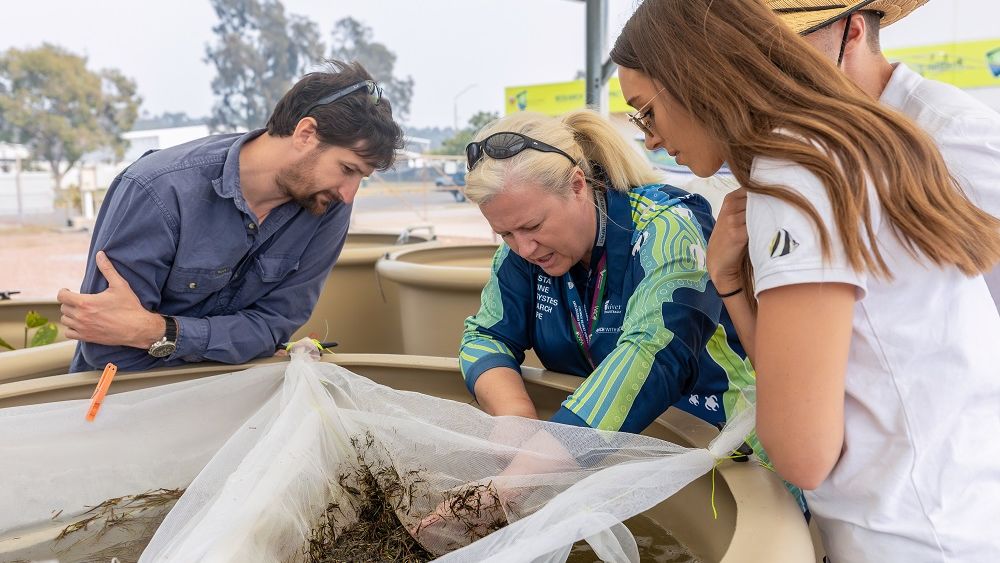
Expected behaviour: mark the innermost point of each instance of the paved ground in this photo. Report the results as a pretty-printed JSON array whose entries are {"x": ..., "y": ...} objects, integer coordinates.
[{"x": 38, "y": 261}]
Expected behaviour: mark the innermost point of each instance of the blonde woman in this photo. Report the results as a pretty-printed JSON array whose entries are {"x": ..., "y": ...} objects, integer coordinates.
[
  {"x": 853, "y": 264},
  {"x": 602, "y": 273}
]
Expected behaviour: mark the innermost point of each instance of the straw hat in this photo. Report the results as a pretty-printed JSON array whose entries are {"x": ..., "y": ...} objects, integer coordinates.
[{"x": 805, "y": 16}]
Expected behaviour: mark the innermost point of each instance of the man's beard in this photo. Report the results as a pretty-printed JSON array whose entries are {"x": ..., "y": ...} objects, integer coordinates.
[{"x": 295, "y": 181}]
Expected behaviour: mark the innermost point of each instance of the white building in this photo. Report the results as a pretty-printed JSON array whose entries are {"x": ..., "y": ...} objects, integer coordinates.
[
  {"x": 22, "y": 193},
  {"x": 96, "y": 171},
  {"x": 148, "y": 139}
]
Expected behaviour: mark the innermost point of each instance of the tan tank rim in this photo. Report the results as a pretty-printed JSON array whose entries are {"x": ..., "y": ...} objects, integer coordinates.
[
  {"x": 407, "y": 267},
  {"x": 366, "y": 248}
]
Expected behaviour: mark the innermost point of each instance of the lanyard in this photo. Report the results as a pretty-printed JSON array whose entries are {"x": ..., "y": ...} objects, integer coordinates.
[{"x": 583, "y": 324}]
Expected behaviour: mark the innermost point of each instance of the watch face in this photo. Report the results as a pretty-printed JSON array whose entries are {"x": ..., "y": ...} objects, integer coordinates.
[{"x": 162, "y": 349}]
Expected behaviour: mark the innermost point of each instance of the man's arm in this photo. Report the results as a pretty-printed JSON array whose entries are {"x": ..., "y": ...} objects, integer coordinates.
[
  {"x": 114, "y": 317},
  {"x": 255, "y": 331},
  {"x": 136, "y": 229},
  {"x": 139, "y": 235}
]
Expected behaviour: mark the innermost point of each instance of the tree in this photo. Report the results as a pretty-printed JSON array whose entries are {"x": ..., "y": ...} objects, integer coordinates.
[
  {"x": 456, "y": 144},
  {"x": 259, "y": 53},
  {"x": 52, "y": 103},
  {"x": 352, "y": 41}
]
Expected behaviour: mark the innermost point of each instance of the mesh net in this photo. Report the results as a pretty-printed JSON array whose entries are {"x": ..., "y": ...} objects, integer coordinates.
[{"x": 319, "y": 458}]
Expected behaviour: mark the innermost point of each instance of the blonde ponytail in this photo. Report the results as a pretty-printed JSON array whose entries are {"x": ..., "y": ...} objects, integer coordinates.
[
  {"x": 600, "y": 142},
  {"x": 583, "y": 134}
]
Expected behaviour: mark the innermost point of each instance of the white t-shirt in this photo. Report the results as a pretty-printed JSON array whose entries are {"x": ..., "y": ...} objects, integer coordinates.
[
  {"x": 919, "y": 477},
  {"x": 967, "y": 133}
]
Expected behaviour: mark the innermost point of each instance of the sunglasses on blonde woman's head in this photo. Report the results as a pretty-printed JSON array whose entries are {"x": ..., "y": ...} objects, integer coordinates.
[
  {"x": 374, "y": 95},
  {"x": 499, "y": 146},
  {"x": 641, "y": 118}
]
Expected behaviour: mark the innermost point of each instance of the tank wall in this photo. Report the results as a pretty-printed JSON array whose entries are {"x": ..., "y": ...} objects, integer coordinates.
[
  {"x": 355, "y": 308},
  {"x": 433, "y": 320},
  {"x": 356, "y": 312}
]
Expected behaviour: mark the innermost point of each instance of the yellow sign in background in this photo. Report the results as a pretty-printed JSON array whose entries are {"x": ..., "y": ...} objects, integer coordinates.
[
  {"x": 559, "y": 97},
  {"x": 971, "y": 64}
]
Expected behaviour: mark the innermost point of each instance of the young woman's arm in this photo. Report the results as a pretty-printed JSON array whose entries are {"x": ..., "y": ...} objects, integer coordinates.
[
  {"x": 725, "y": 252},
  {"x": 803, "y": 335},
  {"x": 798, "y": 342}
]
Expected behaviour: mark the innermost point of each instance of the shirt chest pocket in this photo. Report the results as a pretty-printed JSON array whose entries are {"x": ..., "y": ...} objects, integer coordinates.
[
  {"x": 276, "y": 267},
  {"x": 197, "y": 280}
]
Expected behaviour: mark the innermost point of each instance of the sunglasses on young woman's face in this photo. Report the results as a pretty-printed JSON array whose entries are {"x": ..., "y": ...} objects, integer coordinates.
[
  {"x": 641, "y": 118},
  {"x": 374, "y": 95},
  {"x": 499, "y": 146}
]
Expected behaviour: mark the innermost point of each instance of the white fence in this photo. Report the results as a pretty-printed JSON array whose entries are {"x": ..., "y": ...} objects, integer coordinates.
[{"x": 37, "y": 194}]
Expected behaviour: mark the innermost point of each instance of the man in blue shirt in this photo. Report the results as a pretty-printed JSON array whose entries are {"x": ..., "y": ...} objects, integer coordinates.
[{"x": 217, "y": 249}]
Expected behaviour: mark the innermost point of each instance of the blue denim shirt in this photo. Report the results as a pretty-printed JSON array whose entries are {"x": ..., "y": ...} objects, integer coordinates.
[{"x": 176, "y": 226}]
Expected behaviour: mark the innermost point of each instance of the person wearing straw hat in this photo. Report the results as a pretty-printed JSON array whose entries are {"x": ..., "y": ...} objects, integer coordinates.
[
  {"x": 850, "y": 263},
  {"x": 966, "y": 131}
]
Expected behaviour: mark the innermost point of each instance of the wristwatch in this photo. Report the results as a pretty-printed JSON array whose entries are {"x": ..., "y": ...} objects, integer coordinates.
[{"x": 166, "y": 345}]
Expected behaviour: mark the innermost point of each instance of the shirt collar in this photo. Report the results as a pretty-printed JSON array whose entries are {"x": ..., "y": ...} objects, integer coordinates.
[
  {"x": 902, "y": 82},
  {"x": 618, "y": 237},
  {"x": 228, "y": 185}
]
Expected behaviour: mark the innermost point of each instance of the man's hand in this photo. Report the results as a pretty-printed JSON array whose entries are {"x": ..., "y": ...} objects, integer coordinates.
[{"x": 114, "y": 317}]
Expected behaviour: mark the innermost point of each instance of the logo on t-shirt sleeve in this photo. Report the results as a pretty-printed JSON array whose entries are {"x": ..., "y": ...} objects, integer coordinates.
[{"x": 782, "y": 244}]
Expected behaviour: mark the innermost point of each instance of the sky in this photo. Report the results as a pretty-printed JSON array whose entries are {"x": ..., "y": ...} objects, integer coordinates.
[{"x": 460, "y": 53}]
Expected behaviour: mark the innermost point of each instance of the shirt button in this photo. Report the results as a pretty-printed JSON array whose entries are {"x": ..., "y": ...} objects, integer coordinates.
[
  {"x": 193, "y": 285},
  {"x": 251, "y": 226}
]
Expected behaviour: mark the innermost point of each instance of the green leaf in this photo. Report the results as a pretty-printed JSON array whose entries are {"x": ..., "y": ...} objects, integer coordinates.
[
  {"x": 34, "y": 320},
  {"x": 45, "y": 335},
  {"x": 3, "y": 344}
]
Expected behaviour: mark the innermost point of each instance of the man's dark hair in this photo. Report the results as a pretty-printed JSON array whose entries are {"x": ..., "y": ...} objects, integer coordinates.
[
  {"x": 873, "y": 22},
  {"x": 353, "y": 122}
]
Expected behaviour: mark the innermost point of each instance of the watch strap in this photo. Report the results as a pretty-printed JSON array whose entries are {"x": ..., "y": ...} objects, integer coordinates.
[{"x": 171, "y": 333}]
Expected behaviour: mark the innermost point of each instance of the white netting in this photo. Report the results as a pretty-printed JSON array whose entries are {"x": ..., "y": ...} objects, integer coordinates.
[
  {"x": 58, "y": 470},
  {"x": 291, "y": 474}
]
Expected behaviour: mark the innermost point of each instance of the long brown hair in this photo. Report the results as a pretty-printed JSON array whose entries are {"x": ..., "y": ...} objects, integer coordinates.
[{"x": 759, "y": 88}]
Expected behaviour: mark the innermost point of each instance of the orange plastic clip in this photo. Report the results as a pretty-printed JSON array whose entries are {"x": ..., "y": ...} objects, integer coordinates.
[{"x": 102, "y": 389}]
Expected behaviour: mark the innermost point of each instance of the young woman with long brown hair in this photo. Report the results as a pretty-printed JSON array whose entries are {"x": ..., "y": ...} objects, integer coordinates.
[{"x": 850, "y": 262}]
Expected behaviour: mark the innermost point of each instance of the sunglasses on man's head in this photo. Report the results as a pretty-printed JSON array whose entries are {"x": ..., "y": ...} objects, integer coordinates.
[
  {"x": 374, "y": 95},
  {"x": 499, "y": 146}
]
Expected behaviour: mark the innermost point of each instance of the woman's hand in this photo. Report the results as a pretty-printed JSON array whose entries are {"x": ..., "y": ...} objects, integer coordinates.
[
  {"x": 728, "y": 243},
  {"x": 484, "y": 506}
]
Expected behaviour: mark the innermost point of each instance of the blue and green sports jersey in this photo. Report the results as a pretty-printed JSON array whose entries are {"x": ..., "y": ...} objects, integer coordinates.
[{"x": 662, "y": 337}]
